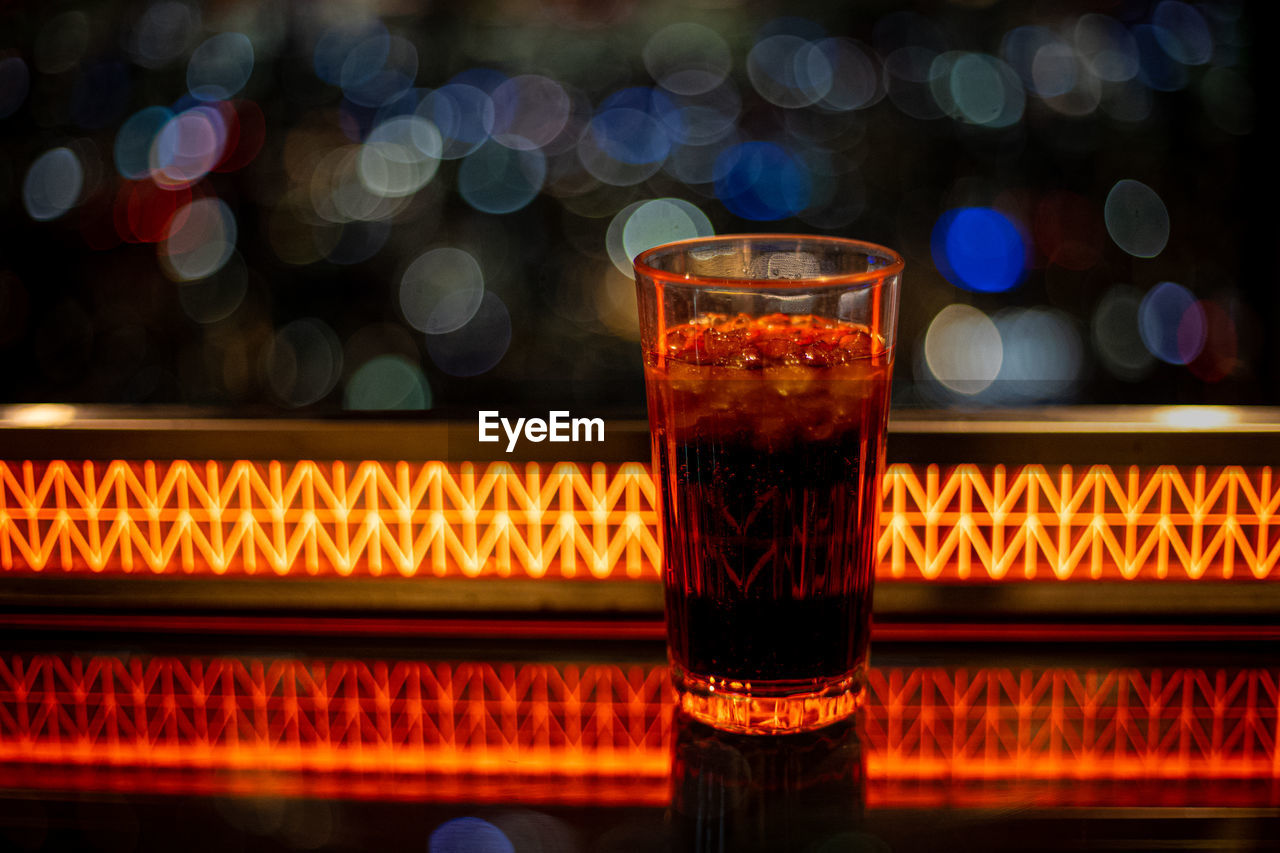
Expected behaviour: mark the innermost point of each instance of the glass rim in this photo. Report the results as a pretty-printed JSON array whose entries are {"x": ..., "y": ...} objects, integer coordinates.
[{"x": 894, "y": 267}]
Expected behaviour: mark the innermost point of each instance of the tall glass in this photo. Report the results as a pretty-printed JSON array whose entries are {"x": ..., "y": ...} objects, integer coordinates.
[{"x": 767, "y": 367}]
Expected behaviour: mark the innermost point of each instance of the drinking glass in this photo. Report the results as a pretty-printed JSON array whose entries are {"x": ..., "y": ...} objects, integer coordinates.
[{"x": 767, "y": 369}]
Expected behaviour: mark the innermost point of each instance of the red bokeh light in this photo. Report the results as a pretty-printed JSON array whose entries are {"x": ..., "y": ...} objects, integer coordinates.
[
  {"x": 144, "y": 210},
  {"x": 246, "y": 131},
  {"x": 1217, "y": 358}
]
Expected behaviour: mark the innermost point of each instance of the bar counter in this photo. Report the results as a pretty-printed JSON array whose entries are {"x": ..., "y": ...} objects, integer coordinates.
[{"x": 301, "y": 635}]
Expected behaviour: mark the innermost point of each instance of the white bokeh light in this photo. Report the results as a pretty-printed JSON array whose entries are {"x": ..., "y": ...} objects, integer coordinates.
[{"x": 963, "y": 350}]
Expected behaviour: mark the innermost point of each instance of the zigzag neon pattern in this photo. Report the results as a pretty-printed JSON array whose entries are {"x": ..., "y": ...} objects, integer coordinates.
[
  {"x": 566, "y": 520},
  {"x": 607, "y": 720}
]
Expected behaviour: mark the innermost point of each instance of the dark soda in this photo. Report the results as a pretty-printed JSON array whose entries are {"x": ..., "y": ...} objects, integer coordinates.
[{"x": 768, "y": 439}]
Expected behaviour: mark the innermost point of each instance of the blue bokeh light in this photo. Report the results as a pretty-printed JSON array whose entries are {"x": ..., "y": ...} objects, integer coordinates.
[
  {"x": 630, "y": 136},
  {"x": 220, "y": 67},
  {"x": 979, "y": 249},
  {"x": 469, "y": 835},
  {"x": 761, "y": 181},
  {"x": 365, "y": 59},
  {"x": 379, "y": 70},
  {"x": 1183, "y": 32},
  {"x": 637, "y": 125},
  {"x": 187, "y": 147},
  {"x": 1156, "y": 68},
  {"x": 643, "y": 98},
  {"x": 464, "y": 115},
  {"x": 497, "y": 179},
  {"x": 1172, "y": 323},
  {"x": 336, "y": 46},
  {"x": 134, "y": 139}
]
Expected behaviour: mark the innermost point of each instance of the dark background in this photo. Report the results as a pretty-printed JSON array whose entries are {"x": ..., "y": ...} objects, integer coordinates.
[{"x": 307, "y": 312}]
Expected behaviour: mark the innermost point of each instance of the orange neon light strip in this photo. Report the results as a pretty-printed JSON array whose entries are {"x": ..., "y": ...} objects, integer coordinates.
[
  {"x": 289, "y": 715},
  {"x": 597, "y": 522}
]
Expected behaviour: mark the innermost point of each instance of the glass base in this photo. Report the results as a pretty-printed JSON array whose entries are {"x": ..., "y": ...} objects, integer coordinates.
[{"x": 768, "y": 709}]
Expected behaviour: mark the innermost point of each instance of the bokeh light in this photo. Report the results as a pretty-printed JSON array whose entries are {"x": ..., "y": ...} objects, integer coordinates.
[
  {"x": 387, "y": 383},
  {"x": 303, "y": 362},
  {"x": 215, "y": 297},
  {"x": 199, "y": 239},
  {"x": 1042, "y": 355},
  {"x": 529, "y": 111},
  {"x": 1115, "y": 334},
  {"x": 370, "y": 65},
  {"x": 463, "y": 114},
  {"x": 339, "y": 42},
  {"x": 144, "y": 210},
  {"x": 1218, "y": 359},
  {"x": 293, "y": 162},
  {"x": 787, "y": 71},
  {"x": 476, "y": 347},
  {"x": 187, "y": 147},
  {"x": 220, "y": 67},
  {"x": 854, "y": 76},
  {"x": 468, "y": 835},
  {"x": 135, "y": 138},
  {"x": 378, "y": 70},
  {"x": 498, "y": 179},
  {"x": 1026, "y": 46},
  {"x": 761, "y": 181},
  {"x": 642, "y": 225},
  {"x": 53, "y": 184},
  {"x": 977, "y": 88},
  {"x": 1107, "y": 47},
  {"x": 1172, "y": 323},
  {"x": 913, "y": 76},
  {"x": 441, "y": 290},
  {"x": 246, "y": 132},
  {"x": 963, "y": 350},
  {"x": 163, "y": 33},
  {"x": 687, "y": 58},
  {"x": 1183, "y": 32},
  {"x": 705, "y": 118},
  {"x": 1136, "y": 218},
  {"x": 979, "y": 249},
  {"x": 400, "y": 156},
  {"x": 630, "y": 136},
  {"x": 1156, "y": 67},
  {"x": 663, "y": 220},
  {"x": 1055, "y": 69}
]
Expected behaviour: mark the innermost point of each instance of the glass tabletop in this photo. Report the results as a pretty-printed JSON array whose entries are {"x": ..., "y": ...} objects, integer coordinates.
[{"x": 155, "y": 739}]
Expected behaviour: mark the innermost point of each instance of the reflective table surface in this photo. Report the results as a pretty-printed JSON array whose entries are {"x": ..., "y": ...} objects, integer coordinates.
[{"x": 219, "y": 738}]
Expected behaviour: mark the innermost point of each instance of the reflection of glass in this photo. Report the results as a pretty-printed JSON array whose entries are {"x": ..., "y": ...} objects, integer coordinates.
[
  {"x": 767, "y": 363},
  {"x": 740, "y": 792}
]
